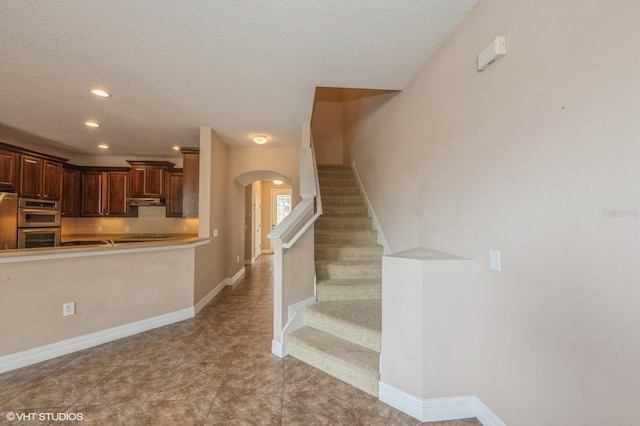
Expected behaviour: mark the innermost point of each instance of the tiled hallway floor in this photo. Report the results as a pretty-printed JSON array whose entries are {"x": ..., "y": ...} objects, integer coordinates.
[{"x": 214, "y": 369}]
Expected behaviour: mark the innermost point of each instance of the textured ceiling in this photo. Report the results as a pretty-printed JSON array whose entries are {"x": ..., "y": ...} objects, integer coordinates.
[{"x": 241, "y": 67}]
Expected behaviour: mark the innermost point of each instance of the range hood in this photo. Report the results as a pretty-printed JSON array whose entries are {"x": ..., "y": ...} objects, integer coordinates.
[{"x": 138, "y": 202}]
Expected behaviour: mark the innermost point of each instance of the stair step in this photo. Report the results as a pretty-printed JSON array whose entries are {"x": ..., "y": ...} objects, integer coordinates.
[
  {"x": 344, "y": 222},
  {"x": 340, "y": 191},
  {"x": 336, "y": 269},
  {"x": 357, "y": 321},
  {"x": 334, "y": 167},
  {"x": 364, "y": 236},
  {"x": 345, "y": 211},
  {"x": 347, "y": 251},
  {"x": 349, "y": 289},
  {"x": 349, "y": 362},
  {"x": 332, "y": 200},
  {"x": 335, "y": 172},
  {"x": 336, "y": 182}
]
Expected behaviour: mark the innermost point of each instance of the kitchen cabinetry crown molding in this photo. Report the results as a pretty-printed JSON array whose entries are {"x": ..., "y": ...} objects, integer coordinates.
[{"x": 32, "y": 153}]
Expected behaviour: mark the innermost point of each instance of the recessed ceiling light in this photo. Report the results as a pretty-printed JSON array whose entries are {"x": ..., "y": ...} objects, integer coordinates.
[
  {"x": 103, "y": 146},
  {"x": 91, "y": 124},
  {"x": 260, "y": 139},
  {"x": 277, "y": 182},
  {"x": 101, "y": 93},
  {"x": 176, "y": 148}
]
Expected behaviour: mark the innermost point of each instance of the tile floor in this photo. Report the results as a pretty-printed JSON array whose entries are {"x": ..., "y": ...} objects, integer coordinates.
[{"x": 214, "y": 369}]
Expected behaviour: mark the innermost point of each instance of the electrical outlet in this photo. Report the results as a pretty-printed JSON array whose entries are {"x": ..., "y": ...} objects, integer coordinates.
[
  {"x": 126, "y": 229},
  {"x": 69, "y": 309},
  {"x": 99, "y": 228},
  {"x": 237, "y": 258},
  {"x": 215, "y": 232},
  {"x": 494, "y": 260}
]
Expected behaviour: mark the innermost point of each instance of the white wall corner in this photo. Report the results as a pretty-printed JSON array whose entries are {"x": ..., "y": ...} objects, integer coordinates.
[
  {"x": 64, "y": 347},
  {"x": 209, "y": 297},
  {"x": 372, "y": 214},
  {"x": 236, "y": 277},
  {"x": 486, "y": 416}
]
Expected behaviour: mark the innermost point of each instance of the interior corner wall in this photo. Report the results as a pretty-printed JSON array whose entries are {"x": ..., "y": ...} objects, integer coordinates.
[
  {"x": 211, "y": 259},
  {"x": 327, "y": 128},
  {"x": 536, "y": 157},
  {"x": 248, "y": 228}
]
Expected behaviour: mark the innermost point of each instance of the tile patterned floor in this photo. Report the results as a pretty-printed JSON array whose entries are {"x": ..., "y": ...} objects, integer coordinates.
[{"x": 215, "y": 369}]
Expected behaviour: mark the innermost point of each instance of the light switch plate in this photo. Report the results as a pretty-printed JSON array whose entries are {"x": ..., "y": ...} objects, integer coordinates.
[{"x": 494, "y": 260}]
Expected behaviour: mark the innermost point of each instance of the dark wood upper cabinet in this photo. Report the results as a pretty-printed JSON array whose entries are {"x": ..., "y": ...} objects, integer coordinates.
[
  {"x": 104, "y": 193},
  {"x": 51, "y": 180},
  {"x": 32, "y": 174},
  {"x": 173, "y": 190},
  {"x": 30, "y": 177},
  {"x": 71, "y": 204},
  {"x": 40, "y": 178},
  {"x": 8, "y": 170},
  {"x": 147, "y": 178},
  {"x": 191, "y": 181}
]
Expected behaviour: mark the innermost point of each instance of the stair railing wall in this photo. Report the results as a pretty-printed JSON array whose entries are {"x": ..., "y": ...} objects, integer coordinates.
[{"x": 293, "y": 243}]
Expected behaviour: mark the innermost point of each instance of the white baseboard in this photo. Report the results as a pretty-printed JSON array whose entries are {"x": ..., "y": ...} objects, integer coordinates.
[
  {"x": 296, "y": 321},
  {"x": 64, "y": 347},
  {"x": 372, "y": 214},
  {"x": 236, "y": 277},
  {"x": 438, "y": 409},
  {"x": 209, "y": 297}
]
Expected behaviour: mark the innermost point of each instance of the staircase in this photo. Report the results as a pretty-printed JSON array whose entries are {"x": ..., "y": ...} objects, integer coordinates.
[{"x": 342, "y": 335}]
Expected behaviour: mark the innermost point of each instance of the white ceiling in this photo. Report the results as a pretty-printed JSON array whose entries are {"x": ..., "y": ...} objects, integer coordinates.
[{"x": 241, "y": 67}]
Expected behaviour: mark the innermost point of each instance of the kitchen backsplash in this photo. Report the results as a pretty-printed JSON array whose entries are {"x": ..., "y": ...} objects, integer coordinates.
[{"x": 150, "y": 220}]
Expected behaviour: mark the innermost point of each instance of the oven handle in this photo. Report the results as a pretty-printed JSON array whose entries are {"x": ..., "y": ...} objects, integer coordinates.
[{"x": 36, "y": 210}]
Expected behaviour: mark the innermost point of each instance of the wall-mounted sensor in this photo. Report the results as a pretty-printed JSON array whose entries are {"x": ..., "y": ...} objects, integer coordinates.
[{"x": 494, "y": 51}]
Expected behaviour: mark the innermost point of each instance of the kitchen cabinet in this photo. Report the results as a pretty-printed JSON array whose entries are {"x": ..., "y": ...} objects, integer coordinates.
[
  {"x": 173, "y": 192},
  {"x": 191, "y": 180},
  {"x": 71, "y": 191},
  {"x": 147, "y": 178},
  {"x": 40, "y": 178},
  {"x": 8, "y": 170},
  {"x": 104, "y": 192}
]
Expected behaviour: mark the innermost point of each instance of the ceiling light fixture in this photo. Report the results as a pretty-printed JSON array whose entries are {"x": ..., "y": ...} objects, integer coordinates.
[
  {"x": 101, "y": 93},
  {"x": 91, "y": 124},
  {"x": 260, "y": 139},
  {"x": 103, "y": 146},
  {"x": 176, "y": 148},
  {"x": 277, "y": 182}
]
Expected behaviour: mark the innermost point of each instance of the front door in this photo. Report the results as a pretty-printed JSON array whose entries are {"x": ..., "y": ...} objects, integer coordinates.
[{"x": 280, "y": 208}]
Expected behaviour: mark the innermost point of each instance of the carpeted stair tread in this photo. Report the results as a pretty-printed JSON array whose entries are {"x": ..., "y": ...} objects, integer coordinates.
[
  {"x": 351, "y": 268},
  {"x": 349, "y": 289},
  {"x": 347, "y": 251},
  {"x": 362, "y": 236},
  {"x": 344, "y": 222},
  {"x": 348, "y": 211},
  {"x": 345, "y": 360},
  {"x": 358, "y": 321},
  {"x": 340, "y": 200}
]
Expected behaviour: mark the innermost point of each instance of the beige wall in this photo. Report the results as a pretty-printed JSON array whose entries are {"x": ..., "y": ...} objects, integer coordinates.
[
  {"x": 327, "y": 130},
  {"x": 109, "y": 290},
  {"x": 491, "y": 160},
  {"x": 211, "y": 260}
]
